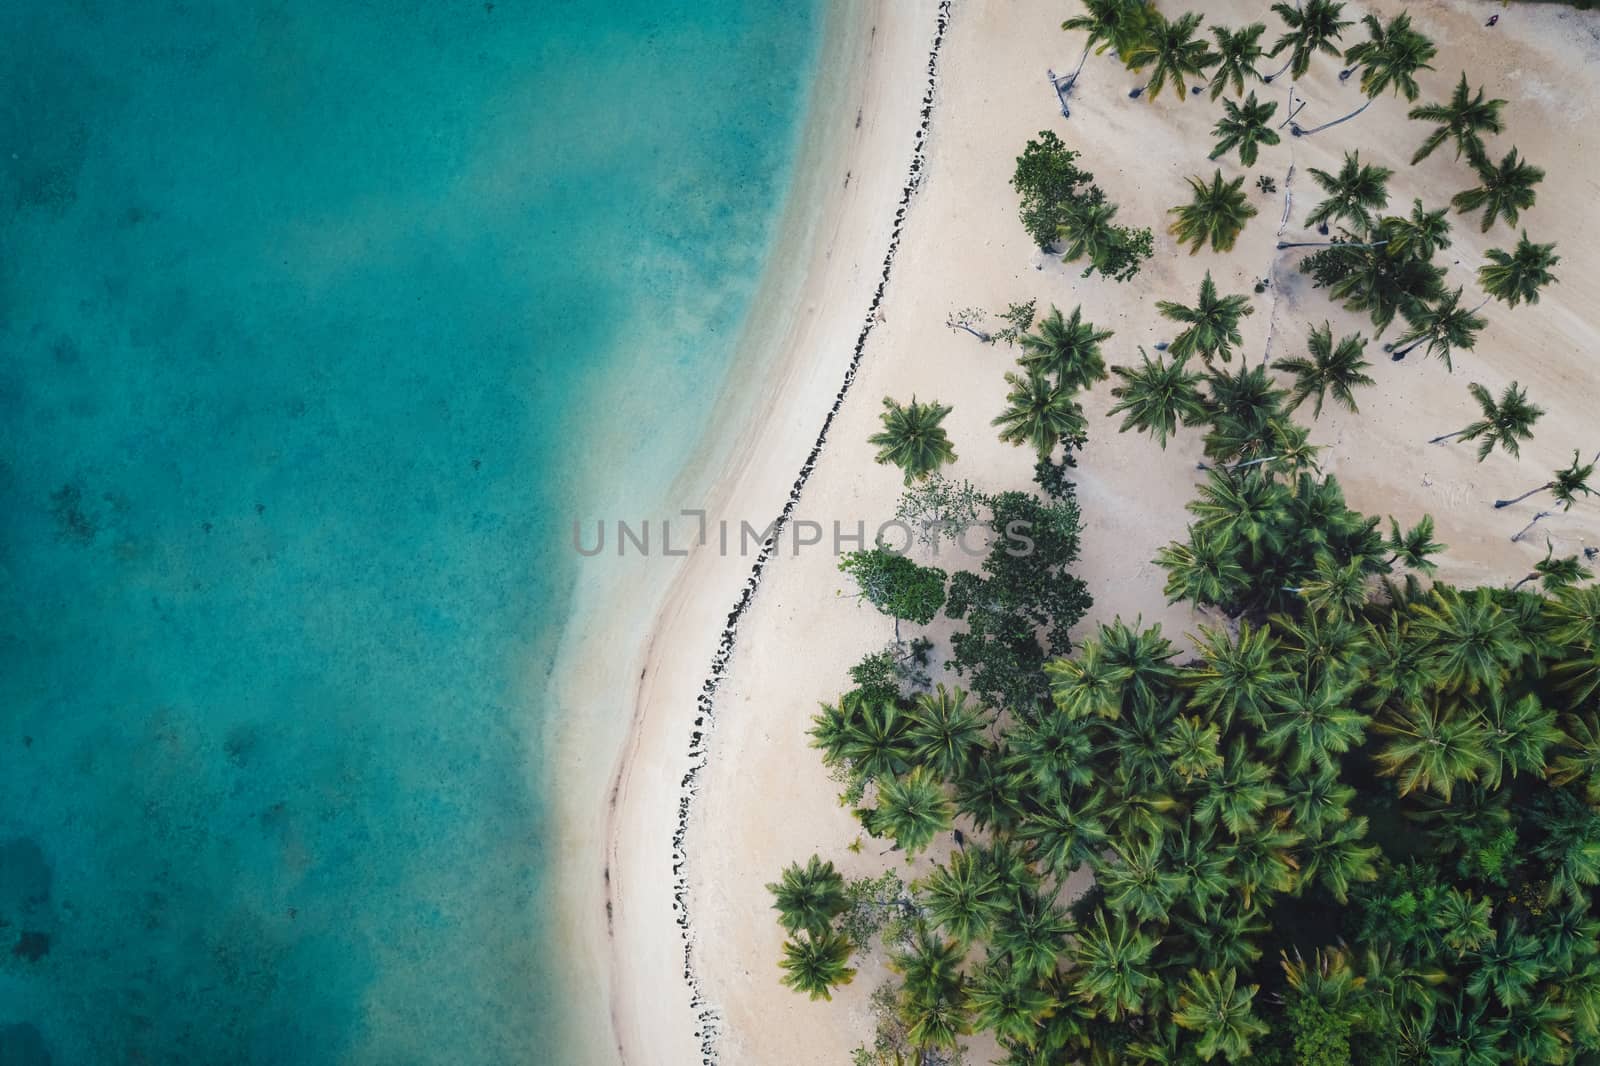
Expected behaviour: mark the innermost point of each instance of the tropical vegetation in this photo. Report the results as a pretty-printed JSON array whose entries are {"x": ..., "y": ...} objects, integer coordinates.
[{"x": 1354, "y": 817}]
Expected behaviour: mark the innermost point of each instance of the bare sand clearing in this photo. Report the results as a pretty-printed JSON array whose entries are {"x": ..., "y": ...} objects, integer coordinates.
[{"x": 763, "y": 799}]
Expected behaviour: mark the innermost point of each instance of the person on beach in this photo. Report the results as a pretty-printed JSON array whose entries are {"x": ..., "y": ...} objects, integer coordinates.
[{"x": 1492, "y": 20}]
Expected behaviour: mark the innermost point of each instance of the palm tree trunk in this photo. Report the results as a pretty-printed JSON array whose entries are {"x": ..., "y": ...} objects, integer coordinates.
[
  {"x": 1400, "y": 353},
  {"x": 1524, "y": 581},
  {"x": 1523, "y": 532},
  {"x": 1280, "y": 70},
  {"x": 1298, "y": 132},
  {"x": 978, "y": 333},
  {"x": 1081, "y": 61},
  {"x": 1293, "y": 111},
  {"x": 1507, "y": 503},
  {"x": 1480, "y": 306},
  {"x": 1446, "y": 436}
]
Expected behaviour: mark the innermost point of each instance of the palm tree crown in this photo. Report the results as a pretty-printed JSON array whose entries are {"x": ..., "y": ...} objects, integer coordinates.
[
  {"x": 1391, "y": 56},
  {"x": 1041, "y": 413},
  {"x": 1245, "y": 126},
  {"x": 1464, "y": 119},
  {"x": 808, "y": 898},
  {"x": 1211, "y": 326},
  {"x": 1236, "y": 56},
  {"x": 1566, "y": 486},
  {"x": 1442, "y": 326},
  {"x": 816, "y": 964},
  {"x": 1118, "y": 24},
  {"x": 1572, "y": 481},
  {"x": 1217, "y": 214},
  {"x": 1358, "y": 190},
  {"x": 1214, "y": 1005},
  {"x": 1156, "y": 396},
  {"x": 1504, "y": 190},
  {"x": 1311, "y": 27},
  {"x": 1507, "y": 421},
  {"x": 1516, "y": 277},
  {"x": 1418, "y": 235},
  {"x": 1336, "y": 368},
  {"x": 1068, "y": 349},
  {"x": 1172, "y": 48},
  {"x": 913, "y": 439}
]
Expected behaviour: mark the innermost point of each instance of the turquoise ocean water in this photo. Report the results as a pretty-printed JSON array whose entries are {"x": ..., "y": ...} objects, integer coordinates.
[{"x": 309, "y": 312}]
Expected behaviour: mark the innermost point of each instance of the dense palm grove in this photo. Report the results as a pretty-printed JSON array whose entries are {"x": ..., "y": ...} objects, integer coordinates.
[{"x": 1355, "y": 818}]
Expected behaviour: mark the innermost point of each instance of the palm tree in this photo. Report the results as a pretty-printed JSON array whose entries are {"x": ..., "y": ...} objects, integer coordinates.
[
  {"x": 1442, "y": 326},
  {"x": 1237, "y": 796},
  {"x": 1569, "y": 482},
  {"x": 1313, "y": 723},
  {"x": 1040, "y": 413},
  {"x": 1009, "y": 1004},
  {"x": 1358, "y": 190},
  {"x": 1204, "y": 571},
  {"x": 1215, "y": 1006},
  {"x": 872, "y": 737},
  {"x": 1175, "y": 52},
  {"x": 1413, "y": 548},
  {"x": 1137, "y": 881},
  {"x": 1504, "y": 190},
  {"x": 1114, "y": 966},
  {"x": 1193, "y": 747},
  {"x": 1508, "y": 968},
  {"x": 1238, "y": 52},
  {"x": 1522, "y": 731},
  {"x": 1064, "y": 835},
  {"x": 1473, "y": 640},
  {"x": 1211, "y": 326},
  {"x": 1518, "y": 276},
  {"x": 1032, "y": 934},
  {"x": 1068, "y": 349},
  {"x": 913, "y": 439},
  {"x": 1312, "y": 27},
  {"x": 1089, "y": 228},
  {"x": 1388, "y": 59},
  {"x": 1156, "y": 396},
  {"x": 1464, "y": 119},
  {"x": 1245, "y": 127},
  {"x": 816, "y": 965},
  {"x": 808, "y": 898},
  {"x": 1118, "y": 24},
  {"x": 963, "y": 898},
  {"x": 1217, "y": 213},
  {"x": 1332, "y": 367},
  {"x": 1555, "y": 574},
  {"x": 1337, "y": 859},
  {"x": 1431, "y": 749},
  {"x": 1418, "y": 235},
  {"x": 911, "y": 810},
  {"x": 931, "y": 970},
  {"x": 946, "y": 735},
  {"x": 1507, "y": 422},
  {"x": 1385, "y": 285},
  {"x": 1242, "y": 676}
]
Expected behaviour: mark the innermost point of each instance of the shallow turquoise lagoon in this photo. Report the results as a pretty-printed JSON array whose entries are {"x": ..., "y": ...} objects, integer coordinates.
[{"x": 310, "y": 313}]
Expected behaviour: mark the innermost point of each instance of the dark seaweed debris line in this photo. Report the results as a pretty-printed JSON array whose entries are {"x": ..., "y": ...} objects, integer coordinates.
[{"x": 708, "y": 1028}]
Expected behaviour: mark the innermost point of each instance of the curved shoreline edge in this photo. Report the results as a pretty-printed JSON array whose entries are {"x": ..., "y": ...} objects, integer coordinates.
[{"x": 708, "y": 1028}]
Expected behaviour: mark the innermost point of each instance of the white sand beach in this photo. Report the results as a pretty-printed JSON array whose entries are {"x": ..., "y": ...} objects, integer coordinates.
[
  {"x": 763, "y": 799},
  {"x": 619, "y": 925}
]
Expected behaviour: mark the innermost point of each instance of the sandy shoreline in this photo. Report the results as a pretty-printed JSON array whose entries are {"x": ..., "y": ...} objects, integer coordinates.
[
  {"x": 763, "y": 797},
  {"x": 619, "y": 911}
]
